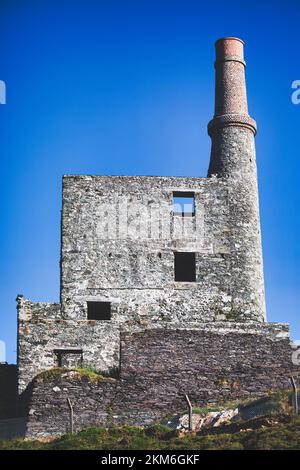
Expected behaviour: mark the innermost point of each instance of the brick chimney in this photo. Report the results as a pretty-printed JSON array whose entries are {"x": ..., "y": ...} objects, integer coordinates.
[
  {"x": 232, "y": 133},
  {"x": 231, "y": 108}
]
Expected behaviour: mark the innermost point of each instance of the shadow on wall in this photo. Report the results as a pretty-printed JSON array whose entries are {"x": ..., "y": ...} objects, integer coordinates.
[
  {"x": 12, "y": 408},
  {"x": 8, "y": 390}
]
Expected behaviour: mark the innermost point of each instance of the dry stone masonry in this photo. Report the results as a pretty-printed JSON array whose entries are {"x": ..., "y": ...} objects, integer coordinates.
[
  {"x": 161, "y": 281},
  {"x": 158, "y": 367}
]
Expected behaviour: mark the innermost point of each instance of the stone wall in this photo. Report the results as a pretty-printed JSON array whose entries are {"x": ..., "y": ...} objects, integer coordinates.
[
  {"x": 42, "y": 333},
  {"x": 157, "y": 368},
  {"x": 132, "y": 264}
]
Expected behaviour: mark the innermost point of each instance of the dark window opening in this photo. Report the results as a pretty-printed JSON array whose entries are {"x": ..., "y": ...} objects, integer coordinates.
[
  {"x": 183, "y": 203},
  {"x": 99, "y": 310},
  {"x": 69, "y": 357},
  {"x": 185, "y": 267}
]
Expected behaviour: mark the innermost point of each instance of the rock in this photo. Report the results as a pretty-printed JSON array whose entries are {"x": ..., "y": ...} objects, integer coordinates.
[
  {"x": 183, "y": 422},
  {"x": 200, "y": 421},
  {"x": 218, "y": 418}
]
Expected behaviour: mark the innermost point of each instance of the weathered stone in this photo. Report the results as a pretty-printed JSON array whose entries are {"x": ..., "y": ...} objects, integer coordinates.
[{"x": 158, "y": 367}]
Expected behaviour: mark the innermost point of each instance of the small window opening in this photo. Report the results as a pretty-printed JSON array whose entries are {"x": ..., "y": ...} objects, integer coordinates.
[
  {"x": 185, "y": 267},
  {"x": 69, "y": 357},
  {"x": 99, "y": 310},
  {"x": 183, "y": 203}
]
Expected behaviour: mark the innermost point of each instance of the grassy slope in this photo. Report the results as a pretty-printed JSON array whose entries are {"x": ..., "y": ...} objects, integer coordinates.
[{"x": 281, "y": 436}]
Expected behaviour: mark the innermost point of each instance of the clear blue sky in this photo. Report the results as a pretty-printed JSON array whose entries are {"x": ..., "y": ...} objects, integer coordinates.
[{"x": 126, "y": 87}]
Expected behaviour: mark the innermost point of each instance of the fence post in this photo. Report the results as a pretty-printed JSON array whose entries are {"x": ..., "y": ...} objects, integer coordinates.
[
  {"x": 71, "y": 415},
  {"x": 295, "y": 396},
  {"x": 190, "y": 413}
]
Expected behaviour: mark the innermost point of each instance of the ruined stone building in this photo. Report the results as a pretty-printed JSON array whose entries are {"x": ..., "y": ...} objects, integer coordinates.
[{"x": 162, "y": 281}]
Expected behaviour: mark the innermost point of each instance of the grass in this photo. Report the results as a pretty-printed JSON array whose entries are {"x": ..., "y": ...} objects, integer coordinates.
[
  {"x": 83, "y": 373},
  {"x": 284, "y": 435},
  {"x": 273, "y": 402}
]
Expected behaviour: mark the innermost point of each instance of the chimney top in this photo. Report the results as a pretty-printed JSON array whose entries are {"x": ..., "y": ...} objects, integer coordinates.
[
  {"x": 227, "y": 38},
  {"x": 231, "y": 107},
  {"x": 229, "y": 47}
]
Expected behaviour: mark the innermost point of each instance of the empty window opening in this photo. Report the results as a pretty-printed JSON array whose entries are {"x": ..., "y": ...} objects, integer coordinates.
[
  {"x": 99, "y": 310},
  {"x": 183, "y": 203},
  {"x": 69, "y": 357},
  {"x": 185, "y": 267}
]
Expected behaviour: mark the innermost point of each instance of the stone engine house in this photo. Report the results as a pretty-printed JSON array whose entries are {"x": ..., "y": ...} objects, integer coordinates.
[{"x": 150, "y": 257}]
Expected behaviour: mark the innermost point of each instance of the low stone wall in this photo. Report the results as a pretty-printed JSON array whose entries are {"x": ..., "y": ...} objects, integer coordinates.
[
  {"x": 157, "y": 368},
  {"x": 38, "y": 341}
]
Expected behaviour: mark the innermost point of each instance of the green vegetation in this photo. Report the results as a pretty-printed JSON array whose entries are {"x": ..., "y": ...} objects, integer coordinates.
[
  {"x": 273, "y": 402},
  {"x": 83, "y": 373},
  {"x": 280, "y": 436}
]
